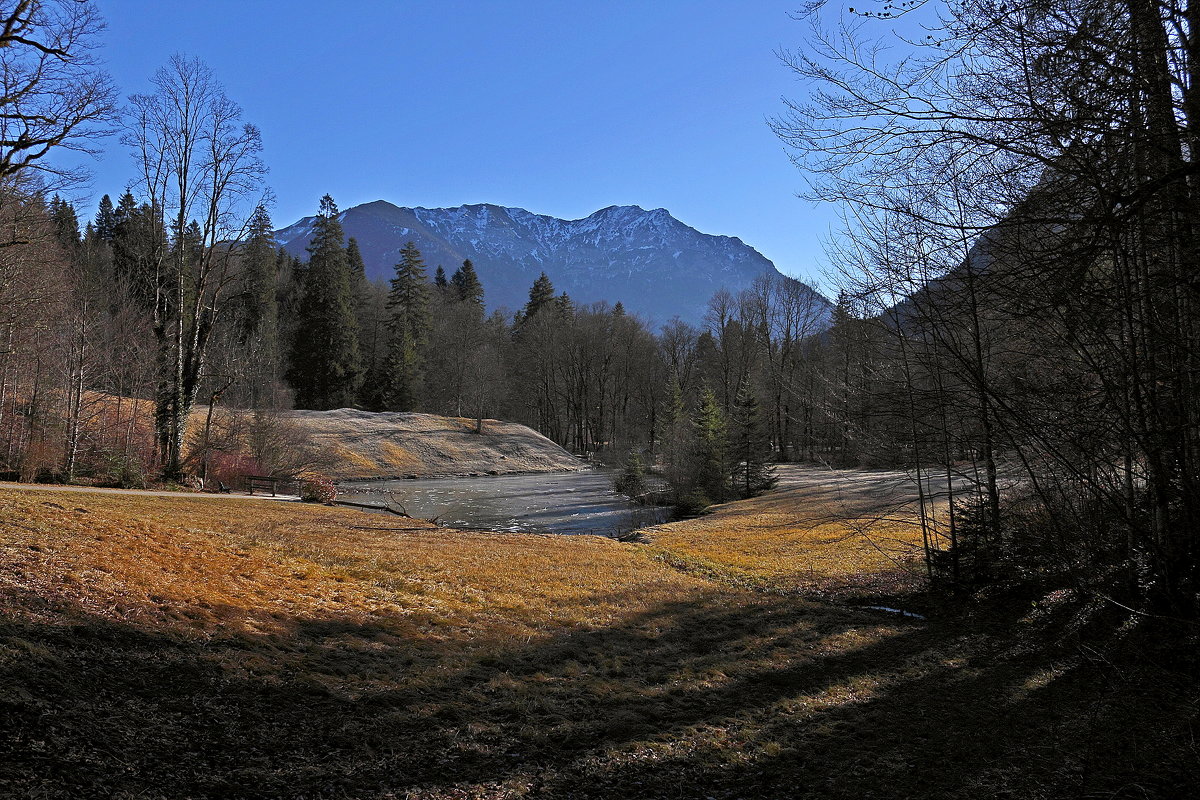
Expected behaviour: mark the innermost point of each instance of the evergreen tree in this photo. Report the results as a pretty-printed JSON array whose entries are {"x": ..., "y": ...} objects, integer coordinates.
[
  {"x": 467, "y": 286},
  {"x": 354, "y": 260},
  {"x": 66, "y": 224},
  {"x": 106, "y": 220},
  {"x": 619, "y": 309},
  {"x": 711, "y": 454},
  {"x": 408, "y": 331},
  {"x": 750, "y": 445},
  {"x": 360, "y": 290},
  {"x": 258, "y": 309},
  {"x": 439, "y": 278},
  {"x": 126, "y": 210},
  {"x": 325, "y": 363},
  {"x": 676, "y": 440},
  {"x": 565, "y": 306},
  {"x": 541, "y": 295},
  {"x": 259, "y": 269},
  {"x": 632, "y": 480},
  {"x": 137, "y": 237}
]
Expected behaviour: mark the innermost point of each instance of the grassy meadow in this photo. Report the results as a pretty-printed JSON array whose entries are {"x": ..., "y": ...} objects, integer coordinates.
[{"x": 169, "y": 647}]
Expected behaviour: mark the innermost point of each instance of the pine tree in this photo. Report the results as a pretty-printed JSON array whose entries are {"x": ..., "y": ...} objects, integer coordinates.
[
  {"x": 408, "y": 329},
  {"x": 750, "y": 445},
  {"x": 467, "y": 286},
  {"x": 325, "y": 363},
  {"x": 439, "y": 278}
]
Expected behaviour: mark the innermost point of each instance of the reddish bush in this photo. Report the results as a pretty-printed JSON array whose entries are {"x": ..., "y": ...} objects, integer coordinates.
[
  {"x": 319, "y": 489},
  {"x": 231, "y": 468}
]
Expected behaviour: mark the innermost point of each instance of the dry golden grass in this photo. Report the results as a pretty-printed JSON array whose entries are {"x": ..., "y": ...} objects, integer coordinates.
[
  {"x": 253, "y": 566},
  {"x": 164, "y": 647},
  {"x": 822, "y": 532}
]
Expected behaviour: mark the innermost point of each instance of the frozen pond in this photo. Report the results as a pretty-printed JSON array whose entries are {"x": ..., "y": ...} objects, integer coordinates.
[{"x": 557, "y": 502}]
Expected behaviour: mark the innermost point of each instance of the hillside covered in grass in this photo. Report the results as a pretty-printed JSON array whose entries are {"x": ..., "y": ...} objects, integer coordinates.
[
  {"x": 164, "y": 647},
  {"x": 362, "y": 444}
]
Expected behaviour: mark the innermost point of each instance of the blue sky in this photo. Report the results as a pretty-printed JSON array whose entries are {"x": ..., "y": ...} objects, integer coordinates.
[{"x": 558, "y": 107}]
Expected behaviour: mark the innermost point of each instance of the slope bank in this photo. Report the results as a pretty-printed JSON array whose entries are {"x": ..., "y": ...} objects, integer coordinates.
[{"x": 361, "y": 444}]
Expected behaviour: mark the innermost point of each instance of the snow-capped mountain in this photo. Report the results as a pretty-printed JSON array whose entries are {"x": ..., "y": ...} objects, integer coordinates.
[{"x": 648, "y": 260}]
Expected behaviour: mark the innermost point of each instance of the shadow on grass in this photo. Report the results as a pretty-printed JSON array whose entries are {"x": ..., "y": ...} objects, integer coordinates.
[{"x": 757, "y": 697}]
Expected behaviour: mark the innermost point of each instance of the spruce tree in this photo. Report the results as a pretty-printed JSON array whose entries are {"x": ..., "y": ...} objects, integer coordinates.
[
  {"x": 467, "y": 286},
  {"x": 106, "y": 221},
  {"x": 711, "y": 449},
  {"x": 258, "y": 309},
  {"x": 325, "y": 363},
  {"x": 541, "y": 295},
  {"x": 676, "y": 439},
  {"x": 66, "y": 224},
  {"x": 632, "y": 480},
  {"x": 750, "y": 445},
  {"x": 565, "y": 306},
  {"x": 137, "y": 238},
  {"x": 360, "y": 290},
  {"x": 259, "y": 269},
  {"x": 408, "y": 331},
  {"x": 354, "y": 260},
  {"x": 439, "y": 278}
]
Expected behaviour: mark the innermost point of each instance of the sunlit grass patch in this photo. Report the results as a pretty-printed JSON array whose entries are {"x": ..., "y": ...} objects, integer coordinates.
[
  {"x": 799, "y": 540},
  {"x": 210, "y": 647}
]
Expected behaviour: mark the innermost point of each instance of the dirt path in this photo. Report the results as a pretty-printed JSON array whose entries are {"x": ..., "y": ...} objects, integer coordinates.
[{"x": 50, "y": 487}]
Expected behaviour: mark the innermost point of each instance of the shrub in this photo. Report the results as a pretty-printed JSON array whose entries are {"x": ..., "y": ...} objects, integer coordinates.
[
  {"x": 632, "y": 480},
  {"x": 692, "y": 504},
  {"x": 318, "y": 489},
  {"x": 125, "y": 472}
]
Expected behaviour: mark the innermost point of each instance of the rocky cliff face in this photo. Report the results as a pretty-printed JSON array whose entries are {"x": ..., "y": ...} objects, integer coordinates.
[{"x": 651, "y": 262}]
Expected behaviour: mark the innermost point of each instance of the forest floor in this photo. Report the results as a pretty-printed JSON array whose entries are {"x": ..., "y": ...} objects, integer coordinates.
[{"x": 167, "y": 647}]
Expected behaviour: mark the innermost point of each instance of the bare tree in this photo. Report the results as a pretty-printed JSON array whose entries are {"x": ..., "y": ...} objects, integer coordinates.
[
  {"x": 1044, "y": 159},
  {"x": 200, "y": 171},
  {"x": 53, "y": 96}
]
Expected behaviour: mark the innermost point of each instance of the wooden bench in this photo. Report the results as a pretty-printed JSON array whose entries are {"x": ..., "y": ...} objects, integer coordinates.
[{"x": 262, "y": 482}]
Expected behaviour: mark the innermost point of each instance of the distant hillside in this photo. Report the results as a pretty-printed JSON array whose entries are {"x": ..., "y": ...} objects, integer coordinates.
[
  {"x": 362, "y": 444},
  {"x": 649, "y": 261}
]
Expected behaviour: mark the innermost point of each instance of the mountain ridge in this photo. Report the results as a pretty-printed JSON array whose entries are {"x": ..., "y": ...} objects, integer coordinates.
[{"x": 654, "y": 264}]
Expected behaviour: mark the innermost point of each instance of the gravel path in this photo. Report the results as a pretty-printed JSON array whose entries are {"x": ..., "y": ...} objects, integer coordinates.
[{"x": 50, "y": 487}]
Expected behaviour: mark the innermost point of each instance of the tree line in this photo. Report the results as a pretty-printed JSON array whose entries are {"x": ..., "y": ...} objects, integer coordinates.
[{"x": 717, "y": 403}]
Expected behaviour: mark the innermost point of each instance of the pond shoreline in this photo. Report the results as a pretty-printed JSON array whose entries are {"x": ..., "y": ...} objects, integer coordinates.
[
  {"x": 567, "y": 502},
  {"x": 348, "y": 484}
]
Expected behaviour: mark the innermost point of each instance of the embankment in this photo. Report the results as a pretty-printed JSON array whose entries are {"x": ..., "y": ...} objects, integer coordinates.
[{"x": 363, "y": 444}]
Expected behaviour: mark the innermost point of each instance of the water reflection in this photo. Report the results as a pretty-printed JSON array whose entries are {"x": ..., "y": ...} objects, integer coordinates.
[{"x": 561, "y": 502}]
